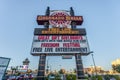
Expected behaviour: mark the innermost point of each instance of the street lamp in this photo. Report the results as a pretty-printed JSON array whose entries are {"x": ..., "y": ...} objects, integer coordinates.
[{"x": 94, "y": 63}]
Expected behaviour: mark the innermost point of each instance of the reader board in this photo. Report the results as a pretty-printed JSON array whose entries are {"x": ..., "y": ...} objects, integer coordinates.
[{"x": 62, "y": 44}]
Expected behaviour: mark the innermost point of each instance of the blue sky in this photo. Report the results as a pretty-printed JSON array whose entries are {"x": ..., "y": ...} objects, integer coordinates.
[{"x": 101, "y": 20}]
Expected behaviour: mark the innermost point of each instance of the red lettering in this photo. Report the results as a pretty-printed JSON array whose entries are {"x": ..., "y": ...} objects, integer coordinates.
[
  {"x": 65, "y": 37},
  {"x": 55, "y": 37},
  {"x": 72, "y": 37},
  {"x": 43, "y": 37},
  {"x": 50, "y": 45},
  {"x": 67, "y": 45},
  {"x": 76, "y": 37}
]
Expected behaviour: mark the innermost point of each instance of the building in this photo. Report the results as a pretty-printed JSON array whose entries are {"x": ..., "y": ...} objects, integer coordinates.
[
  {"x": 91, "y": 70},
  {"x": 115, "y": 62}
]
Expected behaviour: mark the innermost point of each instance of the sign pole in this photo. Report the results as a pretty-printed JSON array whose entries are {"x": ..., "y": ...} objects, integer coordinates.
[
  {"x": 41, "y": 67},
  {"x": 79, "y": 65}
]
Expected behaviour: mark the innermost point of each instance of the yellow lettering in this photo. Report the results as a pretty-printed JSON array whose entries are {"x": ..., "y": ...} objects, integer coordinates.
[{"x": 67, "y": 18}]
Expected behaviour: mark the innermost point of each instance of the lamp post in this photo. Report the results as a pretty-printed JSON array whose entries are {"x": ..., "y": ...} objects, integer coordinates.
[
  {"x": 92, "y": 70},
  {"x": 94, "y": 64}
]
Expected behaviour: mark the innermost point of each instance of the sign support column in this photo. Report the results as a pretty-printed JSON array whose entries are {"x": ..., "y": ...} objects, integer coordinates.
[
  {"x": 79, "y": 65},
  {"x": 41, "y": 67}
]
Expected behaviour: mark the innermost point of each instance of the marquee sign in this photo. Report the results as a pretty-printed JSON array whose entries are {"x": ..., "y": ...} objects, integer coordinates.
[
  {"x": 59, "y": 19},
  {"x": 59, "y": 44},
  {"x": 60, "y": 36}
]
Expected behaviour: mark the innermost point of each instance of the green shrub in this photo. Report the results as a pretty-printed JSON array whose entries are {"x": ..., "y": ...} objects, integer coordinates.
[
  {"x": 116, "y": 77},
  {"x": 99, "y": 77},
  {"x": 71, "y": 77}
]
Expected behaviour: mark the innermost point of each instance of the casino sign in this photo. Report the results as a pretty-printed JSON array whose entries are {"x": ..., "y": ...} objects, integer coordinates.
[
  {"x": 59, "y": 19},
  {"x": 59, "y": 37}
]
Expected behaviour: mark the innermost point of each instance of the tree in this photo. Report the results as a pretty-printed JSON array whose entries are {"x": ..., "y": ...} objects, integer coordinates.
[
  {"x": 75, "y": 70},
  {"x": 71, "y": 77},
  {"x": 29, "y": 71},
  {"x": 62, "y": 71},
  {"x": 116, "y": 68}
]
